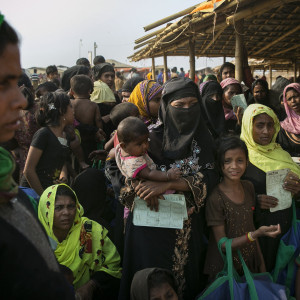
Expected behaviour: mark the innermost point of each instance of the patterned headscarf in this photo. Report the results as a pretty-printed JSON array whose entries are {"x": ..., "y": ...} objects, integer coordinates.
[
  {"x": 292, "y": 122},
  {"x": 229, "y": 81},
  {"x": 86, "y": 249},
  {"x": 142, "y": 94},
  {"x": 269, "y": 157}
]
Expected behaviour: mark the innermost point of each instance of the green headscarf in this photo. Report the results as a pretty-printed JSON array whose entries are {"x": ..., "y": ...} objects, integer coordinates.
[
  {"x": 87, "y": 248},
  {"x": 8, "y": 187},
  {"x": 269, "y": 157}
]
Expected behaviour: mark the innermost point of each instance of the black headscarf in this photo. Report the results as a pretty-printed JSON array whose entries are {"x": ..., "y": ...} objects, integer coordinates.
[
  {"x": 130, "y": 84},
  {"x": 212, "y": 111},
  {"x": 99, "y": 69},
  {"x": 71, "y": 72},
  {"x": 181, "y": 127}
]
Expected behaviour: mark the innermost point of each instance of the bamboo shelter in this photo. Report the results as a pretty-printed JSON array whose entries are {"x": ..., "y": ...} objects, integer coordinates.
[{"x": 267, "y": 29}]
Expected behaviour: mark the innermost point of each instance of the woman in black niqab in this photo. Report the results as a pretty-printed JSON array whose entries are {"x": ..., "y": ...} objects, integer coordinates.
[
  {"x": 212, "y": 109},
  {"x": 181, "y": 140}
]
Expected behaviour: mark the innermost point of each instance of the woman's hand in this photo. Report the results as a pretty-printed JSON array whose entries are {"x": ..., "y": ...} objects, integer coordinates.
[
  {"x": 148, "y": 189},
  {"x": 151, "y": 191},
  {"x": 270, "y": 231},
  {"x": 86, "y": 291},
  {"x": 98, "y": 155},
  {"x": 267, "y": 202},
  {"x": 239, "y": 112},
  {"x": 292, "y": 183}
]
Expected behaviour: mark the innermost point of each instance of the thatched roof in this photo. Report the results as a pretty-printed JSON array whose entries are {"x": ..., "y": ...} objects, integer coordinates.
[{"x": 271, "y": 31}]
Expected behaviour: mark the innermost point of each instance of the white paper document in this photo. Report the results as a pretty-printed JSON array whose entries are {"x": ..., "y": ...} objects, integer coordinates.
[
  {"x": 239, "y": 100},
  {"x": 171, "y": 212},
  {"x": 274, "y": 182}
]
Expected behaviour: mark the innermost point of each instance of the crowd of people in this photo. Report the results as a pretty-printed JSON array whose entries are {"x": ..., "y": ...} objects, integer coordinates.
[{"x": 78, "y": 149}]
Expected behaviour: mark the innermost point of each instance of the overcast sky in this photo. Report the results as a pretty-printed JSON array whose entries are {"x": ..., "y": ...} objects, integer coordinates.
[{"x": 51, "y": 31}]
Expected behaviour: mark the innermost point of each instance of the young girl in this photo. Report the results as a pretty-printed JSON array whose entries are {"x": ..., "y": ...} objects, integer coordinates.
[
  {"x": 229, "y": 212},
  {"x": 45, "y": 163},
  {"x": 131, "y": 154}
]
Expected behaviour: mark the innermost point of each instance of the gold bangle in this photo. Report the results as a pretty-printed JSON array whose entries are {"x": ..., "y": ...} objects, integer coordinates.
[{"x": 250, "y": 238}]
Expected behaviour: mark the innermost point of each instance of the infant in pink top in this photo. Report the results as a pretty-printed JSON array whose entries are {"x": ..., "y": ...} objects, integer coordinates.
[{"x": 131, "y": 154}]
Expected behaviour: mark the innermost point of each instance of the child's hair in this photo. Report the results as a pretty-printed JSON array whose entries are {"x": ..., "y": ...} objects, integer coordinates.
[
  {"x": 122, "y": 111},
  {"x": 131, "y": 128},
  {"x": 81, "y": 85},
  {"x": 161, "y": 276},
  {"x": 229, "y": 143},
  {"x": 83, "y": 62},
  {"x": 27, "y": 93},
  {"x": 51, "y": 107},
  {"x": 99, "y": 59},
  {"x": 64, "y": 190},
  {"x": 51, "y": 69},
  {"x": 47, "y": 86}
]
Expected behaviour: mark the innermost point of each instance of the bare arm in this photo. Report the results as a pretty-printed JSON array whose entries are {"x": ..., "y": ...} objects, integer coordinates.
[
  {"x": 238, "y": 242},
  {"x": 109, "y": 145},
  {"x": 30, "y": 174},
  {"x": 98, "y": 119},
  {"x": 154, "y": 175}
]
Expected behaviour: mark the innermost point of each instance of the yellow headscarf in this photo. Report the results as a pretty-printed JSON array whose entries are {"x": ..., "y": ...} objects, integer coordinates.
[
  {"x": 102, "y": 93},
  {"x": 269, "y": 157},
  {"x": 142, "y": 94},
  {"x": 86, "y": 249}
]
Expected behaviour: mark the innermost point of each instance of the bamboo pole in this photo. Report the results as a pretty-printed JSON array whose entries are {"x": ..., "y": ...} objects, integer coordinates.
[
  {"x": 224, "y": 59},
  {"x": 239, "y": 47},
  {"x": 286, "y": 50},
  {"x": 192, "y": 58},
  {"x": 278, "y": 40},
  {"x": 295, "y": 70},
  {"x": 170, "y": 18},
  {"x": 214, "y": 39},
  {"x": 258, "y": 9},
  {"x": 148, "y": 36},
  {"x": 165, "y": 68},
  {"x": 153, "y": 68},
  {"x": 145, "y": 43},
  {"x": 270, "y": 75}
]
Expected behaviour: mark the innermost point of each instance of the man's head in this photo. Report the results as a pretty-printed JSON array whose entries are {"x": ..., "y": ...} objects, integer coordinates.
[
  {"x": 227, "y": 70},
  {"x": 11, "y": 98}
]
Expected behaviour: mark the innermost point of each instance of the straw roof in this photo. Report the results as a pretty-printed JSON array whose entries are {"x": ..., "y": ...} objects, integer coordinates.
[{"x": 271, "y": 31}]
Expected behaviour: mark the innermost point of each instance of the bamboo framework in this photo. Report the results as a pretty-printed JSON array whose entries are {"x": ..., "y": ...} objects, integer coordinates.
[{"x": 271, "y": 31}]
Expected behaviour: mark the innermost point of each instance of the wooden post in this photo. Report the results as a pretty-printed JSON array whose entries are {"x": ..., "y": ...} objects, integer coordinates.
[
  {"x": 153, "y": 68},
  {"x": 270, "y": 75},
  {"x": 165, "y": 68},
  {"x": 224, "y": 59},
  {"x": 192, "y": 59},
  {"x": 295, "y": 70},
  {"x": 239, "y": 45}
]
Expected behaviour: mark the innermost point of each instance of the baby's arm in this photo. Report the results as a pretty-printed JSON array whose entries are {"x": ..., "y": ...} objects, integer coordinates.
[{"x": 156, "y": 175}]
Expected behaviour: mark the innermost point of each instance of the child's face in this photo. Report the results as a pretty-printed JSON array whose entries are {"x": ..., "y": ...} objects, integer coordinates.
[
  {"x": 138, "y": 147},
  {"x": 163, "y": 292},
  {"x": 235, "y": 163}
]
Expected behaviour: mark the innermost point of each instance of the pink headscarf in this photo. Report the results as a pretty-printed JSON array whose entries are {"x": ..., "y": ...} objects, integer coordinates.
[
  {"x": 292, "y": 122},
  {"x": 229, "y": 81},
  {"x": 229, "y": 114}
]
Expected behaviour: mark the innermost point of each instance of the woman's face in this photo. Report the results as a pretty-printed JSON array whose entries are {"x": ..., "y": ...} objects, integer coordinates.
[
  {"x": 64, "y": 214},
  {"x": 108, "y": 78},
  {"x": 154, "y": 105},
  {"x": 215, "y": 97},
  {"x": 293, "y": 100},
  {"x": 232, "y": 90},
  {"x": 263, "y": 129},
  {"x": 11, "y": 98},
  {"x": 259, "y": 93},
  {"x": 163, "y": 292},
  {"x": 186, "y": 102},
  {"x": 125, "y": 96}
]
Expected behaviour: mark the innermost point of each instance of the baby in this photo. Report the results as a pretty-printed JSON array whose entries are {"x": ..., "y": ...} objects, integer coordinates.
[{"x": 131, "y": 154}]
